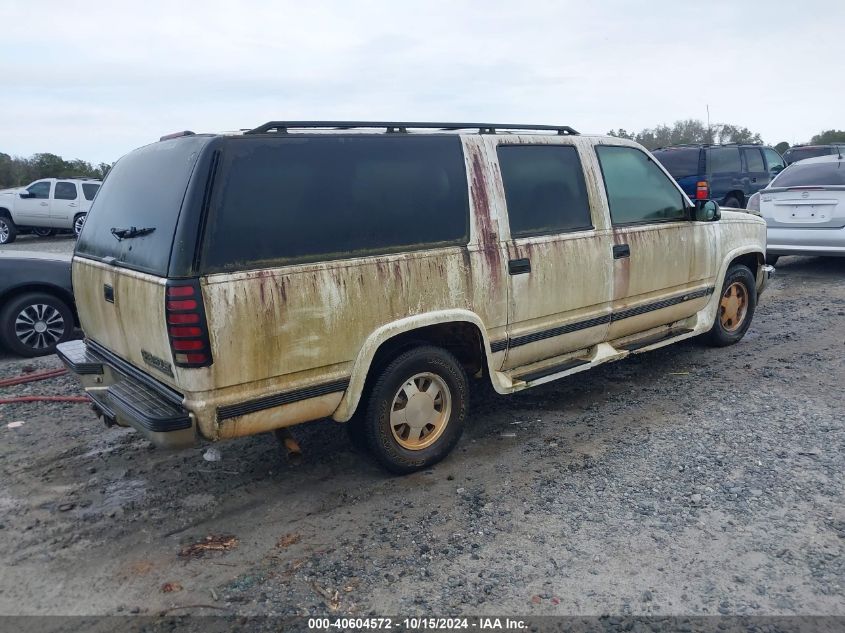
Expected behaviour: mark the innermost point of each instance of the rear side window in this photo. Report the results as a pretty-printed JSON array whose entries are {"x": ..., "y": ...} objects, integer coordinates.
[
  {"x": 809, "y": 174},
  {"x": 300, "y": 199},
  {"x": 144, "y": 189},
  {"x": 637, "y": 190},
  {"x": 754, "y": 159},
  {"x": 40, "y": 190},
  {"x": 65, "y": 191},
  {"x": 724, "y": 160},
  {"x": 681, "y": 163},
  {"x": 800, "y": 153},
  {"x": 544, "y": 189},
  {"x": 89, "y": 190}
]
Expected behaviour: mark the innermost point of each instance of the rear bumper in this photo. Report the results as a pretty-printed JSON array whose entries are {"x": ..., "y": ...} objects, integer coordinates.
[
  {"x": 805, "y": 241},
  {"x": 126, "y": 396}
]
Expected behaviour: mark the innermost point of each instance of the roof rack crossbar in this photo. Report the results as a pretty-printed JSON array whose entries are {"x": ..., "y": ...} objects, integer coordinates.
[{"x": 395, "y": 127}]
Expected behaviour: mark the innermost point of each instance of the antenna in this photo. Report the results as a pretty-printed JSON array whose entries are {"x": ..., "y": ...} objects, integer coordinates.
[{"x": 709, "y": 133}]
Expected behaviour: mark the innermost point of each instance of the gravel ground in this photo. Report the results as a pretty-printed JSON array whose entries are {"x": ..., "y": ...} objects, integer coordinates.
[{"x": 686, "y": 481}]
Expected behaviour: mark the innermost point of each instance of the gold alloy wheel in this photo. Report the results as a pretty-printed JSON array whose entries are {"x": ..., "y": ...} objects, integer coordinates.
[
  {"x": 420, "y": 411},
  {"x": 733, "y": 307}
]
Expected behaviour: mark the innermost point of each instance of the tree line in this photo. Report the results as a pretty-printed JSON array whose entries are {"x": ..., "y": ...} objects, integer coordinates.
[
  {"x": 16, "y": 171},
  {"x": 693, "y": 131}
]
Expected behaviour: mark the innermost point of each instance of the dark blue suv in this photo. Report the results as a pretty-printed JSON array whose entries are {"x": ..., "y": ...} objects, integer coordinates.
[{"x": 728, "y": 174}]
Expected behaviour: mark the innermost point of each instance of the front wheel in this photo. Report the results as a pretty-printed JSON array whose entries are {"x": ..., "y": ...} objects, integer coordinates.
[
  {"x": 42, "y": 231},
  {"x": 736, "y": 307},
  {"x": 417, "y": 409},
  {"x": 78, "y": 223},
  {"x": 8, "y": 230}
]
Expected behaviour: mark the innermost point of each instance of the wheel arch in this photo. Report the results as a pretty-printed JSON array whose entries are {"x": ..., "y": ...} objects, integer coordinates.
[
  {"x": 460, "y": 331},
  {"x": 10, "y": 294}
]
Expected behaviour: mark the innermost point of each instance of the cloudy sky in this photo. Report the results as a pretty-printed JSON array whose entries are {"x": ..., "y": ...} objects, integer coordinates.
[{"x": 93, "y": 80}]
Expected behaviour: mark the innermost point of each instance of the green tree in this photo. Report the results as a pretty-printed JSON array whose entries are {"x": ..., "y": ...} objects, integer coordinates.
[
  {"x": 689, "y": 131},
  {"x": 782, "y": 147},
  {"x": 828, "y": 136},
  {"x": 16, "y": 171}
]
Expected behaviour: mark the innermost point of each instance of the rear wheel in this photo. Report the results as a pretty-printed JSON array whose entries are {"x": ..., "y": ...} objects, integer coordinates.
[
  {"x": 417, "y": 409},
  {"x": 78, "y": 223},
  {"x": 736, "y": 307},
  {"x": 34, "y": 323},
  {"x": 43, "y": 231},
  {"x": 8, "y": 230}
]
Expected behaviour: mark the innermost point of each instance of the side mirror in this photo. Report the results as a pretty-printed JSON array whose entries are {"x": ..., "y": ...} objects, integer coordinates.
[
  {"x": 777, "y": 169},
  {"x": 26, "y": 194},
  {"x": 707, "y": 211}
]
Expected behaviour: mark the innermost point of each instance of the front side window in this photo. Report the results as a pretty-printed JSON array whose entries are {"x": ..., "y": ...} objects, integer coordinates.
[
  {"x": 65, "y": 191},
  {"x": 754, "y": 159},
  {"x": 319, "y": 198},
  {"x": 40, "y": 190},
  {"x": 774, "y": 160},
  {"x": 637, "y": 189},
  {"x": 544, "y": 189},
  {"x": 724, "y": 160},
  {"x": 89, "y": 190}
]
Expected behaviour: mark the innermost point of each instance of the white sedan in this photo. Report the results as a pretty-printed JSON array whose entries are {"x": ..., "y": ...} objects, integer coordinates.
[{"x": 804, "y": 208}]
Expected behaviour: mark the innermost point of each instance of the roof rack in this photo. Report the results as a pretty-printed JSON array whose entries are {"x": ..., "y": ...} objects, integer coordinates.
[{"x": 393, "y": 127}]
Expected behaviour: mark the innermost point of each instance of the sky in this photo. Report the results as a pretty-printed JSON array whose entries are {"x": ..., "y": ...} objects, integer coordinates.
[{"x": 93, "y": 80}]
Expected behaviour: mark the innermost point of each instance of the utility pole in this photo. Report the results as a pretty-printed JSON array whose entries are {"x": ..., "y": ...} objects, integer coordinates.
[{"x": 709, "y": 133}]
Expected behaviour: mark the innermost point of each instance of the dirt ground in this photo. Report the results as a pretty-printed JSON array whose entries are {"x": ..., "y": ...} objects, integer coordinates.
[{"x": 687, "y": 481}]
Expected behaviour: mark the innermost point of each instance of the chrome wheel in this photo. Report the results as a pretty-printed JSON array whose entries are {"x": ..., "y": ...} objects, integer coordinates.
[
  {"x": 39, "y": 326},
  {"x": 733, "y": 306},
  {"x": 420, "y": 411},
  {"x": 4, "y": 231},
  {"x": 78, "y": 223}
]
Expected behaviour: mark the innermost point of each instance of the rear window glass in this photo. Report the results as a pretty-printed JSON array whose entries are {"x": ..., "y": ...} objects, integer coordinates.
[
  {"x": 723, "y": 160},
  {"x": 800, "y": 153},
  {"x": 681, "y": 163},
  {"x": 144, "y": 189},
  {"x": 754, "y": 160},
  {"x": 90, "y": 190},
  {"x": 544, "y": 189},
  {"x": 808, "y": 174},
  {"x": 314, "y": 198}
]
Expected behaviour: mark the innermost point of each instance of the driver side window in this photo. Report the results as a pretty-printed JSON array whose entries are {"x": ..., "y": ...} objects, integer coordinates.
[
  {"x": 637, "y": 189},
  {"x": 40, "y": 190}
]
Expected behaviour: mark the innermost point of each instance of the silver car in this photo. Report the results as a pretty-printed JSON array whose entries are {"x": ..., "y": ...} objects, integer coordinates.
[{"x": 804, "y": 208}]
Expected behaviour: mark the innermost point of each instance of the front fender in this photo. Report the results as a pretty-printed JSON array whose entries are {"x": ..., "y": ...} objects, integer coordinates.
[{"x": 380, "y": 336}]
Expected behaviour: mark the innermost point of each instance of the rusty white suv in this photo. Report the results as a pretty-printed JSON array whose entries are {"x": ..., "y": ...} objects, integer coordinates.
[{"x": 365, "y": 271}]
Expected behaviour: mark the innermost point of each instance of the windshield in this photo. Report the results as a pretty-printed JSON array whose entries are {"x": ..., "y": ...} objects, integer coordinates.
[
  {"x": 812, "y": 174},
  {"x": 679, "y": 162},
  {"x": 144, "y": 190}
]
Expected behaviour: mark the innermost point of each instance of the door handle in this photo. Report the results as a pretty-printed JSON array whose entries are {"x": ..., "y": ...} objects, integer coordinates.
[
  {"x": 44, "y": 204},
  {"x": 71, "y": 204},
  {"x": 621, "y": 250},
  {"x": 519, "y": 266},
  {"x": 753, "y": 180}
]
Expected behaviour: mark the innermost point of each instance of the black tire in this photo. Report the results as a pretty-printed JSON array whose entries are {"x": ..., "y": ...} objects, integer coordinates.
[
  {"x": 8, "y": 230},
  {"x": 732, "y": 202},
  {"x": 382, "y": 443},
  {"x": 78, "y": 223},
  {"x": 58, "y": 318},
  {"x": 724, "y": 334},
  {"x": 772, "y": 259},
  {"x": 44, "y": 231}
]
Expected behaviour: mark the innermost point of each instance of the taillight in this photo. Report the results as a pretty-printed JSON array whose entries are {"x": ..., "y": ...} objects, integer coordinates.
[
  {"x": 702, "y": 190},
  {"x": 186, "y": 325}
]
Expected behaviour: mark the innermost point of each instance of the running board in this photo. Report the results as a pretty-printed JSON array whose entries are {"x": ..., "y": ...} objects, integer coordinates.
[
  {"x": 572, "y": 363},
  {"x": 652, "y": 340}
]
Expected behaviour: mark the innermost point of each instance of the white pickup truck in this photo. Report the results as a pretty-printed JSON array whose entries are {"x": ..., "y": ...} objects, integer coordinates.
[{"x": 45, "y": 206}]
